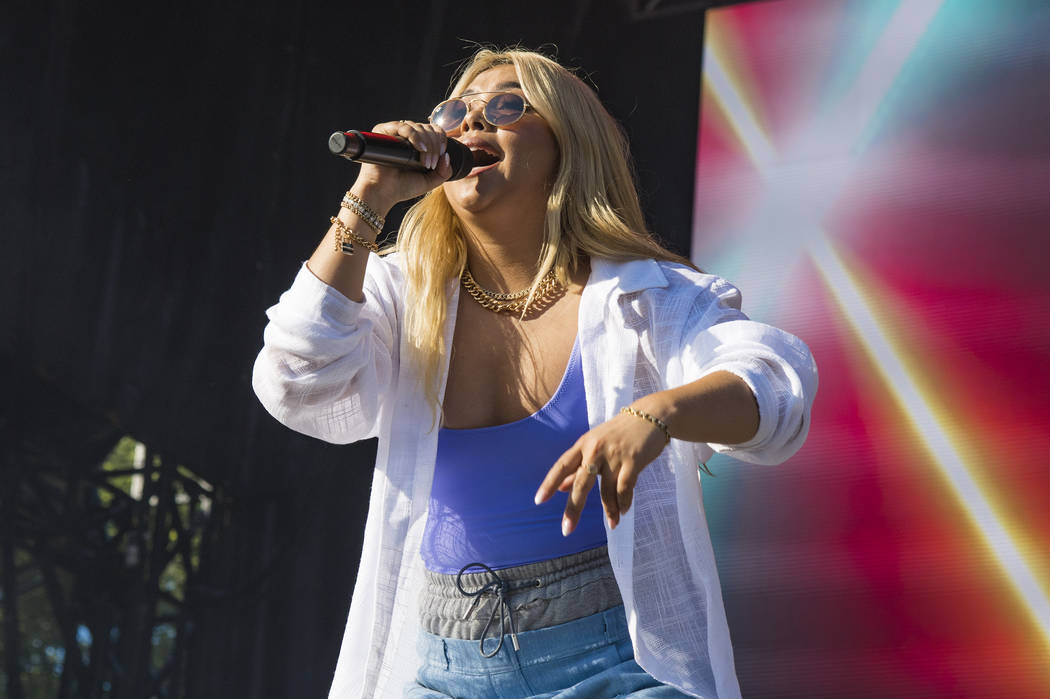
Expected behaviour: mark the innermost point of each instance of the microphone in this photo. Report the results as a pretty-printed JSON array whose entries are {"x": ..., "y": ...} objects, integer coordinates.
[{"x": 380, "y": 149}]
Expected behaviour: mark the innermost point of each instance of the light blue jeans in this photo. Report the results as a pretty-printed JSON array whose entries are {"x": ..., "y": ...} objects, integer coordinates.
[{"x": 586, "y": 658}]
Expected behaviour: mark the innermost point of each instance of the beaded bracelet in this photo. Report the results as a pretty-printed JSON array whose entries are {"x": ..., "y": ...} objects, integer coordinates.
[
  {"x": 667, "y": 433},
  {"x": 655, "y": 420},
  {"x": 365, "y": 212},
  {"x": 345, "y": 238}
]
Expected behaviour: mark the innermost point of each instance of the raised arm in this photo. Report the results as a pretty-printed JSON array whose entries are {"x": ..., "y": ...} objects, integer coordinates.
[
  {"x": 330, "y": 349},
  {"x": 378, "y": 189}
]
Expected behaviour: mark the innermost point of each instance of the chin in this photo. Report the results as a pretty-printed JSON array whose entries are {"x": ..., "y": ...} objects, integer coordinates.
[{"x": 468, "y": 194}]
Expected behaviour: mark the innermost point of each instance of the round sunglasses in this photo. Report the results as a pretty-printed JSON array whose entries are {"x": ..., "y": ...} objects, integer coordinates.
[{"x": 503, "y": 109}]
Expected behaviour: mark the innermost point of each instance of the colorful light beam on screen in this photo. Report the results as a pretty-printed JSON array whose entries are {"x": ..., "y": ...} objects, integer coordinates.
[
  {"x": 884, "y": 64},
  {"x": 874, "y": 80},
  {"x": 741, "y": 115},
  {"x": 930, "y": 430}
]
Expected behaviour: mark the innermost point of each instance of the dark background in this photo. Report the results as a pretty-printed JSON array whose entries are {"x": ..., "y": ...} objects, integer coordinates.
[{"x": 164, "y": 173}]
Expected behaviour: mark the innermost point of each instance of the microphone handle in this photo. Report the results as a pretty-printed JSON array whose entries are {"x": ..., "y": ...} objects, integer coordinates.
[
  {"x": 375, "y": 148},
  {"x": 380, "y": 149}
]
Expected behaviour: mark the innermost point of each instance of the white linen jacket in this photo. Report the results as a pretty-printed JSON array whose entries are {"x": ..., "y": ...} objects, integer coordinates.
[{"x": 335, "y": 369}]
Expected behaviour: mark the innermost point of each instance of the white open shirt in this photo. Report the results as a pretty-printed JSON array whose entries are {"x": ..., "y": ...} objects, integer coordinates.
[{"x": 334, "y": 369}]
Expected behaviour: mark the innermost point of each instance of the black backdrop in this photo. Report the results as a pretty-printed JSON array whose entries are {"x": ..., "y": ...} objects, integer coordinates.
[{"x": 165, "y": 172}]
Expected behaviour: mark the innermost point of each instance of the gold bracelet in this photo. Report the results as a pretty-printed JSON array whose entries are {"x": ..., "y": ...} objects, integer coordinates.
[
  {"x": 655, "y": 420},
  {"x": 374, "y": 224},
  {"x": 361, "y": 202},
  {"x": 342, "y": 243},
  {"x": 345, "y": 238},
  {"x": 364, "y": 211}
]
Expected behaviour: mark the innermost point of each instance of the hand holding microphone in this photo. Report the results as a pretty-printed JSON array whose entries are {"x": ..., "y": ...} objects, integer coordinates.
[
  {"x": 380, "y": 149},
  {"x": 404, "y": 159}
]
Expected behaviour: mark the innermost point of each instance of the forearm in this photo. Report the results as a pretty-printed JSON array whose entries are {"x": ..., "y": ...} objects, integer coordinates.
[
  {"x": 346, "y": 273},
  {"x": 718, "y": 408}
]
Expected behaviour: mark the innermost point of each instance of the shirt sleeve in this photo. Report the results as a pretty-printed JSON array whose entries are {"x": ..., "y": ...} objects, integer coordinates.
[
  {"x": 327, "y": 361},
  {"x": 776, "y": 365}
]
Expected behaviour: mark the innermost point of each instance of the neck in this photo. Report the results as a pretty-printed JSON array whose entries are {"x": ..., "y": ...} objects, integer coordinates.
[{"x": 503, "y": 256}]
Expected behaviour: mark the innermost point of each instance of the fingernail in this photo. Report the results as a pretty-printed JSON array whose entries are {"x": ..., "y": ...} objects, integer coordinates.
[
  {"x": 539, "y": 497},
  {"x": 446, "y": 160},
  {"x": 612, "y": 524},
  {"x": 443, "y": 148},
  {"x": 423, "y": 147},
  {"x": 565, "y": 526}
]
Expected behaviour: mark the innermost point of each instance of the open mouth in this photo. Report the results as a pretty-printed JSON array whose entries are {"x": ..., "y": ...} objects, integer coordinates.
[{"x": 483, "y": 157}]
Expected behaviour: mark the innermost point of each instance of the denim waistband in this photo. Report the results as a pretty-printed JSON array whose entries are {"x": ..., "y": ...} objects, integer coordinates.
[{"x": 474, "y": 606}]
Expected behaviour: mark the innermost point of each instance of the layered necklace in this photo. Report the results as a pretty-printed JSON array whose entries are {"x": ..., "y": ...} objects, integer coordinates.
[{"x": 513, "y": 303}]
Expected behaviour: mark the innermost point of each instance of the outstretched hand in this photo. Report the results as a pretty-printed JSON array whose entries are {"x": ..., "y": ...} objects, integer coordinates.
[{"x": 617, "y": 450}]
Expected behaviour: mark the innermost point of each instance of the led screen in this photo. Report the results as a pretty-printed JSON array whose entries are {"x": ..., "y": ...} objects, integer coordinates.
[{"x": 875, "y": 176}]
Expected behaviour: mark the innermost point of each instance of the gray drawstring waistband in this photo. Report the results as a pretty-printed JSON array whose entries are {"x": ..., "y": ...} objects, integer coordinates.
[
  {"x": 501, "y": 588},
  {"x": 526, "y": 597}
]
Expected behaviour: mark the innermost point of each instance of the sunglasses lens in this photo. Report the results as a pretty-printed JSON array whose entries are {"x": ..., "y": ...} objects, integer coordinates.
[
  {"x": 504, "y": 108},
  {"x": 449, "y": 114}
]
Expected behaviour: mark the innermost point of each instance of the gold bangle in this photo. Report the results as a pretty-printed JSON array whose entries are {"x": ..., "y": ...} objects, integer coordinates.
[
  {"x": 345, "y": 238},
  {"x": 655, "y": 420}
]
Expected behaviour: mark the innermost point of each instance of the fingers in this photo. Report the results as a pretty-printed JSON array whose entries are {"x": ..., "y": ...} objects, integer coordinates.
[
  {"x": 563, "y": 468},
  {"x": 625, "y": 482},
  {"x": 608, "y": 454},
  {"x": 586, "y": 474},
  {"x": 609, "y": 500},
  {"x": 428, "y": 139},
  {"x": 444, "y": 167},
  {"x": 566, "y": 483},
  {"x": 569, "y": 471}
]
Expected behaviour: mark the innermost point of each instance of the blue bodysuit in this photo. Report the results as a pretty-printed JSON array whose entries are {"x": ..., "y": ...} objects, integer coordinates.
[{"x": 481, "y": 502}]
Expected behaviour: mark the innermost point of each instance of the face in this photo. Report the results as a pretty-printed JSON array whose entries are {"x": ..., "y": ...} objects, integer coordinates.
[{"x": 518, "y": 161}]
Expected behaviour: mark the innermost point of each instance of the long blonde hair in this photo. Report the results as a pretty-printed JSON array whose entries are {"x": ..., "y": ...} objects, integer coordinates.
[{"x": 592, "y": 209}]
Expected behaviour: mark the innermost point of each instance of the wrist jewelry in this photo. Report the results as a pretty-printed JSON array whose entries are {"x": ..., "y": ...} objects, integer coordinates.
[
  {"x": 655, "y": 420},
  {"x": 361, "y": 202},
  {"x": 365, "y": 212},
  {"x": 345, "y": 238}
]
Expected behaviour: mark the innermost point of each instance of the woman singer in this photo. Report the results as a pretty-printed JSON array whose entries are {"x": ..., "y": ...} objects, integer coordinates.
[{"x": 544, "y": 380}]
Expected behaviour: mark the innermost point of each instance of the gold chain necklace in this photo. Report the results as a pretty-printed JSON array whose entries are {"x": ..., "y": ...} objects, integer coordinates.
[{"x": 512, "y": 302}]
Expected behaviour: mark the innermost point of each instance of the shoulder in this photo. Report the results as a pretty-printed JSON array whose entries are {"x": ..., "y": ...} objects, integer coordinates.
[
  {"x": 666, "y": 281},
  {"x": 681, "y": 278}
]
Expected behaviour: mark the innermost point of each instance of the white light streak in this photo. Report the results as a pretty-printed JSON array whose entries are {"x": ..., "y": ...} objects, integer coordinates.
[
  {"x": 852, "y": 116},
  {"x": 740, "y": 116}
]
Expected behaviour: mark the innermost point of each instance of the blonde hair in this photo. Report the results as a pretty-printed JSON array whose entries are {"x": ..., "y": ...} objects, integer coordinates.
[{"x": 592, "y": 210}]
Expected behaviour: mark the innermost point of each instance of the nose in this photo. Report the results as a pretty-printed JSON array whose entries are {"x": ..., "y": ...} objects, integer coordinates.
[{"x": 475, "y": 118}]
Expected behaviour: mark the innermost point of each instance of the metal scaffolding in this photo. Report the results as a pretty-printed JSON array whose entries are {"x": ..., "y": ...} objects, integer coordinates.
[{"x": 104, "y": 563}]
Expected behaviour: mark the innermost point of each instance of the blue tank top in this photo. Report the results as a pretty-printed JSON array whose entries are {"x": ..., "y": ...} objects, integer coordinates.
[{"x": 481, "y": 506}]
